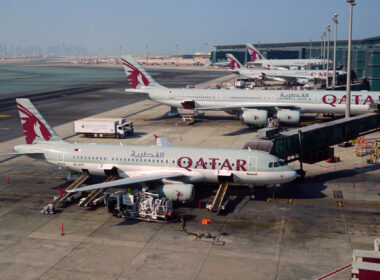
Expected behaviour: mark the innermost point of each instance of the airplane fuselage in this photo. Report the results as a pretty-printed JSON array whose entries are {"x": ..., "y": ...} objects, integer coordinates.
[
  {"x": 197, "y": 165},
  {"x": 286, "y": 74},
  {"x": 309, "y": 101},
  {"x": 287, "y": 62}
]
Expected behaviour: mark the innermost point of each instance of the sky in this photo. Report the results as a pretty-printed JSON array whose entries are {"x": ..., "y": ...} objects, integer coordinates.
[{"x": 163, "y": 24}]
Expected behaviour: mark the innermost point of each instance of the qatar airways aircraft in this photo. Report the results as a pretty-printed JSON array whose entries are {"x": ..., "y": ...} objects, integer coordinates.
[
  {"x": 252, "y": 106},
  {"x": 259, "y": 60},
  {"x": 283, "y": 75},
  {"x": 170, "y": 171}
]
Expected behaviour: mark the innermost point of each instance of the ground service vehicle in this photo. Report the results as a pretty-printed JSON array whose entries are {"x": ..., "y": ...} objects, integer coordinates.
[{"x": 103, "y": 127}]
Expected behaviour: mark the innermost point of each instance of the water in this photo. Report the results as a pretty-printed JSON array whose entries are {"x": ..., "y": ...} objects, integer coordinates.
[{"x": 17, "y": 78}]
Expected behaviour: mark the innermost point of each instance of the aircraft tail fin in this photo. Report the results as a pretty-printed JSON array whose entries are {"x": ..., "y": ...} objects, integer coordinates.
[
  {"x": 234, "y": 63},
  {"x": 36, "y": 129},
  {"x": 136, "y": 75},
  {"x": 254, "y": 53}
]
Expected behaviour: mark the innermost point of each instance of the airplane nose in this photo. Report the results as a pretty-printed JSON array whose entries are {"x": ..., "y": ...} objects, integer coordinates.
[
  {"x": 289, "y": 176},
  {"x": 293, "y": 175}
]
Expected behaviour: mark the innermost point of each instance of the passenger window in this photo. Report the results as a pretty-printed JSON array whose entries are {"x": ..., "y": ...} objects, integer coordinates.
[
  {"x": 271, "y": 165},
  {"x": 276, "y": 164}
]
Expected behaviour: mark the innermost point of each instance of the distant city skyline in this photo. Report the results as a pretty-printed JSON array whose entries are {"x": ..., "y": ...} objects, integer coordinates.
[{"x": 97, "y": 27}]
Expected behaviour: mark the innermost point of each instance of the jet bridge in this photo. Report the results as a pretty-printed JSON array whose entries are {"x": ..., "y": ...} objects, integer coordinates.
[{"x": 311, "y": 144}]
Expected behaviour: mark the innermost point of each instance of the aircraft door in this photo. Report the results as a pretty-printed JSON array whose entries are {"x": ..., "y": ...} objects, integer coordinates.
[
  {"x": 252, "y": 164},
  {"x": 170, "y": 94},
  {"x": 315, "y": 98},
  {"x": 61, "y": 154}
]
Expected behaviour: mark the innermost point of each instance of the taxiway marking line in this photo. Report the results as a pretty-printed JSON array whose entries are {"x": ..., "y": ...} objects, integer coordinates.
[
  {"x": 327, "y": 203},
  {"x": 334, "y": 272}
]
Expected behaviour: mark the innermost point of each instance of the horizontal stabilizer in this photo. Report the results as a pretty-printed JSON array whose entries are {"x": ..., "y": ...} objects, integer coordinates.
[{"x": 22, "y": 154}]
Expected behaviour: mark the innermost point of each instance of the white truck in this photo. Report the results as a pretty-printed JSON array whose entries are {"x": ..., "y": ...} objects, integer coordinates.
[{"x": 103, "y": 127}]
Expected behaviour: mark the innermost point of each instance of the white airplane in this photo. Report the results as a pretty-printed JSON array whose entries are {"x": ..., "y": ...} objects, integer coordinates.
[
  {"x": 252, "y": 106},
  {"x": 283, "y": 75},
  {"x": 259, "y": 60},
  {"x": 220, "y": 64},
  {"x": 170, "y": 171}
]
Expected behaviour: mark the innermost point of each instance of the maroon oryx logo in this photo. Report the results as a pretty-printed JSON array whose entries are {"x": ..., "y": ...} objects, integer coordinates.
[
  {"x": 233, "y": 63},
  {"x": 32, "y": 126},
  {"x": 179, "y": 194},
  {"x": 254, "y": 54},
  {"x": 135, "y": 76}
]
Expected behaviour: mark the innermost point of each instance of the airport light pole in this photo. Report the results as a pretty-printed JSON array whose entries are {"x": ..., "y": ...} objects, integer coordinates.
[
  {"x": 335, "y": 20},
  {"x": 328, "y": 56},
  {"x": 324, "y": 49},
  {"x": 348, "y": 83},
  {"x": 146, "y": 48},
  {"x": 176, "y": 46}
]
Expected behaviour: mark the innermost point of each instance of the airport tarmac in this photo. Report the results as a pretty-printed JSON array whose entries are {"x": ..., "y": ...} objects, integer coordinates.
[{"x": 305, "y": 239}]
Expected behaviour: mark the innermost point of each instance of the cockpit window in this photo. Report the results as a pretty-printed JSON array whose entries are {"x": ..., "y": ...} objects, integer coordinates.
[{"x": 276, "y": 164}]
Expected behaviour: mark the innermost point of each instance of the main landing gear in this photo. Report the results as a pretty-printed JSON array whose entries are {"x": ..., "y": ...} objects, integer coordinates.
[{"x": 252, "y": 195}]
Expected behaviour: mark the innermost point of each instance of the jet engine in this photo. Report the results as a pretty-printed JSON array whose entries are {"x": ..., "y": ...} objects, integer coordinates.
[
  {"x": 288, "y": 116},
  {"x": 176, "y": 192},
  {"x": 254, "y": 117},
  {"x": 302, "y": 81}
]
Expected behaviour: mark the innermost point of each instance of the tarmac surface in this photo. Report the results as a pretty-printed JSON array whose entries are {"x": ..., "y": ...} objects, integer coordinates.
[
  {"x": 304, "y": 239},
  {"x": 62, "y": 105}
]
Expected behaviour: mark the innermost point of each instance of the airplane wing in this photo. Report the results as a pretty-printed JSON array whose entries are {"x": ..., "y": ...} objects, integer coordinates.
[
  {"x": 243, "y": 106},
  {"x": 162, "y": 142},
  {"x": 22, "y": 154},
  {"x": 130, "y": 180}
]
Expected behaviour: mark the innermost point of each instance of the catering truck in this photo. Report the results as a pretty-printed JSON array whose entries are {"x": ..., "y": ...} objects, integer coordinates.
[{"x": 103, "y": 127}]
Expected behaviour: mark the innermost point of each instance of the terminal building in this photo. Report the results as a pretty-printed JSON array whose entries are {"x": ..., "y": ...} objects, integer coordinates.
[{"x": 365, "y": 55}]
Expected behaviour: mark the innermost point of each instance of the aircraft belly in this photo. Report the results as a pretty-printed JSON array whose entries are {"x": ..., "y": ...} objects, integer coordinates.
[
  {"x": 263, "y": 178},
  {"x": 172, "y": 103}
]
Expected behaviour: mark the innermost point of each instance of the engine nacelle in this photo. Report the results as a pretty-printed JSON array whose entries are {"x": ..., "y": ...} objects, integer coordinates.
[
  {"x": 254, "y": 117},
  {"x": 289, "y": 116},
  {"x": 176, "y": 192},
  {"x": 302, "y": 81}
]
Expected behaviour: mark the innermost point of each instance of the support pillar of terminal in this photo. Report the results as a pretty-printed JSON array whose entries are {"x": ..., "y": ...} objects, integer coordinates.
[{"x": 301, "y": 172}]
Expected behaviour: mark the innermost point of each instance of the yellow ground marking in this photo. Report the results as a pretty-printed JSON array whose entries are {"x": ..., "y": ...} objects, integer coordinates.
[
  {"x": 5, "y": 116},
  {"x": 95, "y": 95},
  {"x": 334, "y": 203}
]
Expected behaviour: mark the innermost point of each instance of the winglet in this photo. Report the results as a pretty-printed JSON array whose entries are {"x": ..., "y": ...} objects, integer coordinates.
[
  {"x": 162, "y": 142},
  {"x": 62, "y": 192}
]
